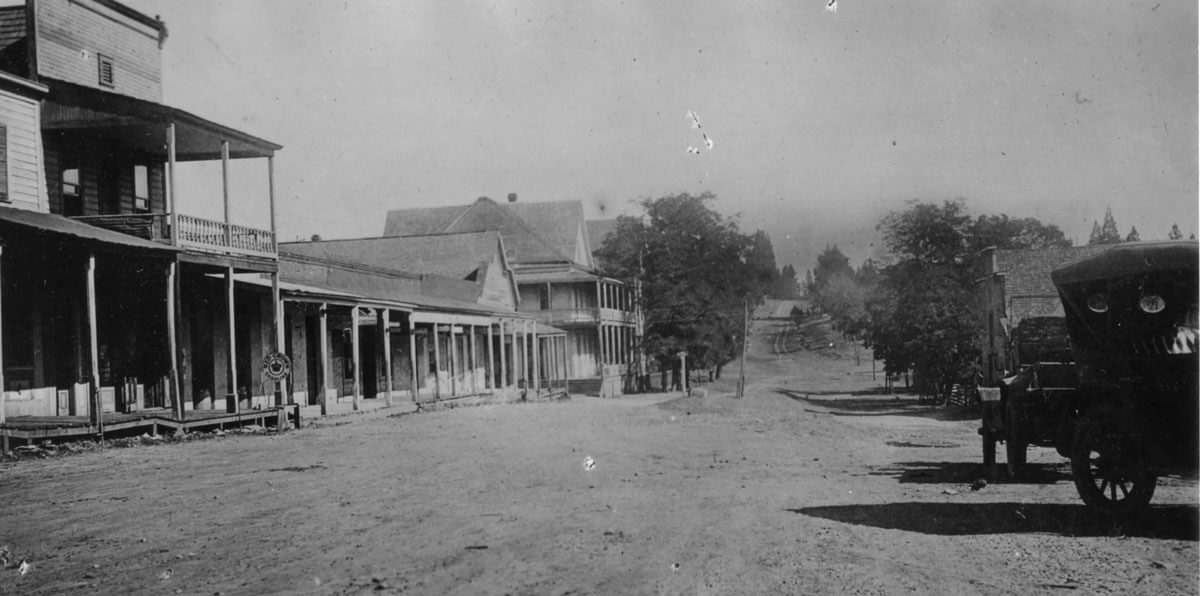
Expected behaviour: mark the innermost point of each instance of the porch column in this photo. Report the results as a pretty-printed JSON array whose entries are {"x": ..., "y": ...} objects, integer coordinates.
[
  {"x": 414, "y": 384},
  {"x": 96, "y": 416},
  {"x": 490, "y": 380},
  {"x": 233, "y": 380},
  {"x": 225, "y": 190},
  {"x": 172, "y": 341},
  {"x": 385, "y": 324},
  {"x": 323, "y": 352},
  {"x": 474, "y": 362},
  {"x": 437, "y": 364},
  {"x": 537, "y": 360},
  {"x": 566, "y": 365},
  {"x": 172, "y": 203},
  {"x": 454, "y": 364},
  {"x": 503, "y": 359},
  {"x": 271, "y": 198},
  {"x": 354, "y": 355},
  {"x": 282, "y": 385}
]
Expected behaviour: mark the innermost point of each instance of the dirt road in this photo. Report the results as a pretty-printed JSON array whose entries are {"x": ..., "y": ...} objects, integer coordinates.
[{"x": 799, "y": 488}]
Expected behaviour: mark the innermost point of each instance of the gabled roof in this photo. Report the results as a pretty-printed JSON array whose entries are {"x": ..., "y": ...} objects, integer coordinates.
[
  {"x": 525, "y": 242},
  {"x": 558, "y": 222},
  {"x": 455, "y": 256}
]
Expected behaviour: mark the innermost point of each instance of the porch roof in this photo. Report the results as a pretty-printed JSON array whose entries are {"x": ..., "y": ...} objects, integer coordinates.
[
  {"x": 141, "y": 124},
  {"x": 38, "y": 222}
]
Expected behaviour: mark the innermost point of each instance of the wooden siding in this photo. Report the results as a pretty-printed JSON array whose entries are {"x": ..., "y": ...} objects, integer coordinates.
[
  {"x": 26, "y": 181},
  {"x": 72, "y": 33},
  {"x": 497, "y": 287}
]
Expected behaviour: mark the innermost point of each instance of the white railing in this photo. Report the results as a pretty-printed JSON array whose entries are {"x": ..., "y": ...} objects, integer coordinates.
[{"x": 206, "y": 234}]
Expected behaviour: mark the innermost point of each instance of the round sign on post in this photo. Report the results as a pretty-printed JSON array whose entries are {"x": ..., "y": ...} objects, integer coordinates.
[{"x": 277, "y": 366}]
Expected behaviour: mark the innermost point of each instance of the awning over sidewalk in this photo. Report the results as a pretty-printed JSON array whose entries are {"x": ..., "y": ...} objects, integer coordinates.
[{"x": 34, "y": 222}]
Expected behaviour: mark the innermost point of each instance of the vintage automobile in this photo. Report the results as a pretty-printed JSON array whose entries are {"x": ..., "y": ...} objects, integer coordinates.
[
  {"x": 1036, "y": 406},
  {"x": 1131, "y": 313}
]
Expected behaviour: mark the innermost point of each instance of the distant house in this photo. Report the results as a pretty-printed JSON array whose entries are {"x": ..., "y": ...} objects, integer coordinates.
[
  {"x": 1019, "y": 306},
  {"x": 550, "y": 252},
  {"x": 780, "y": 310}
]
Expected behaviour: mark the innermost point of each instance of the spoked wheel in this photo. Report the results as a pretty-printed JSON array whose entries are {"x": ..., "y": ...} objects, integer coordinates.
[{"x": 1111, "y": 469}]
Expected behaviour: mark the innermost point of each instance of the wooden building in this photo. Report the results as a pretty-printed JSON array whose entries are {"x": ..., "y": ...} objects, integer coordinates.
[
  {"x": 558, "y": 283},
  {"x": 124, "y": 301}
]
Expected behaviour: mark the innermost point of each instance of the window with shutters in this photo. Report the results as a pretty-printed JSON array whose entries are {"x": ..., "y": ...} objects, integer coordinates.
[{"x": 106, "y": 70}]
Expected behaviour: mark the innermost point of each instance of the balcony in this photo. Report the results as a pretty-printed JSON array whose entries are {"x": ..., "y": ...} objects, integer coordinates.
[
  {"x": 584, "y": 316},
  {"x": 194, "y": 232}
]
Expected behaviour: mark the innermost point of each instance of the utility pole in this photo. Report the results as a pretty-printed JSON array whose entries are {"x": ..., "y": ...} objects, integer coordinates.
[{"x": 741, "y": 390}]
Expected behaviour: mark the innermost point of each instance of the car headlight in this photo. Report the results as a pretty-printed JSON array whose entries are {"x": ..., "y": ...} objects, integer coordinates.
[
  {"x": 1098, "y": 302},
  {"x": 1152, "y": 303}
]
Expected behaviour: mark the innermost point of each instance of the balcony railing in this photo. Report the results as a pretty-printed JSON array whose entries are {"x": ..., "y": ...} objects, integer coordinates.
[
  {"x": 194, "y": 232},
  {"x": 584, "y": 316},
  {"x": 206, "y": 234}
]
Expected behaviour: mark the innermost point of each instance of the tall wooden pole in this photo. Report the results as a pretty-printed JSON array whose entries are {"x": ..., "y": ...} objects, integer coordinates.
[
  {"x": 323, "y": 353},
  {"x": 474, "y": 361},
  {"x": 97, "y": 415},
  {"x": 503, "y": 359},
  {"x": 454, "y": 364},
  {"x": 354, "y": 355},
  {"x": 437, "y": 364},
  {"x": 233, "y": 379},
  {"x": 225, "y": 190},
  {"x": 490, "y": 381},
  {"x": 277, "y": 325},
  {"x": 414, "y": 383},
  {"x": 173, "y": 340},
  {"x": 537, "y": 357},
  {"x": 172, "y": 198},
  {"x": 385, "y": 325}
]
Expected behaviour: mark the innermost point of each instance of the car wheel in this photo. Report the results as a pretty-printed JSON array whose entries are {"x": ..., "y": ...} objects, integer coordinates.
[{"x": 1112, "y": 471}]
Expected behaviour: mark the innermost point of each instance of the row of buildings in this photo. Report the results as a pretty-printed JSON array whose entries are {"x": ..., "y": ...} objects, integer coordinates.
[{"x": 119, "y": 307}]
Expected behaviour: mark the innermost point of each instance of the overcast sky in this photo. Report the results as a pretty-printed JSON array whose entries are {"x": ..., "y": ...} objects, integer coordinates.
[{"x": 820, "y": 122}]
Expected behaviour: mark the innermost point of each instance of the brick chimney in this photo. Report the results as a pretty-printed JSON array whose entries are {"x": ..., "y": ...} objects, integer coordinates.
[{"x": 512, "y": 197}]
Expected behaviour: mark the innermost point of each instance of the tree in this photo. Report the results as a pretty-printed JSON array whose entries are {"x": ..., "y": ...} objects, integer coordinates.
[
  {"x": 830, "y": 263},
  {"x": 1133, "y": 235},
  {"x": 692, "y": 264},
  {"x": 760, "y": 261},
  {"x": 786, "y": 286},
  {"x": 1107, "y": 232},
  {"x": 1003, "y": 232},
  {"x": 1175, "y": 234}
]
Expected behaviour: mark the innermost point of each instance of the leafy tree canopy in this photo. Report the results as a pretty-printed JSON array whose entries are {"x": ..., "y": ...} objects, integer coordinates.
[
  {"x": 696, "y": 269},
  {"x": 1107, "y": 232}
]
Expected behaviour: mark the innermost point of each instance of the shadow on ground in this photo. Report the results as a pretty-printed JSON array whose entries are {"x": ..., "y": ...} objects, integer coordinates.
[
  {"x": 1164, "y": 522},
  {"x": 856, "y": 405},
  {"x": 927, "y": 472}
]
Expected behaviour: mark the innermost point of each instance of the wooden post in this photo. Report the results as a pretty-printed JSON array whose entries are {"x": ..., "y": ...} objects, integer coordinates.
[
  {"x": 683, "y": 381},
  {"x": 385, "y": 325},
  {"x": 474, "y": 362},
  {"x": 537, "y": 361},
  {"x": 566, "y": 364},
  {"x": 277, "y": 325},
  {"x": 354, "y": 355},
  {"x": 437, "y": 364},
  {"x": 172, "y": 198},
  {"x": 414, "y": 383},
  {"x": 225, "y": 190},
  {"x": 503, "y": 359},
  {"x": 172, "y": 341},
  {"x": 490, "y": 381},
  {"x": 97, "y": 415},
  {"x": 271, "y": 197},
  {"x": 233, "y": 379},
  {"x": 323, "y": 351},
  {"x": 454, "y": 364}
]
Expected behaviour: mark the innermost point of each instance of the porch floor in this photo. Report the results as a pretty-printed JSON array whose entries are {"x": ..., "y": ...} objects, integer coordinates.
[{"x": 32, "y": 428}]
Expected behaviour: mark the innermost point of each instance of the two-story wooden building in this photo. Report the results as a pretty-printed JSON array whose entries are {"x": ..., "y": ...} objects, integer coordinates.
[
  {"x": 551, "y": 258},
  {"x": 116, "y": 298}
]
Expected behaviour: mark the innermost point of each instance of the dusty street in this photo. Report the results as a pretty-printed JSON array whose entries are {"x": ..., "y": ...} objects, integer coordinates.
[{"x": 774, "y": 493}]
